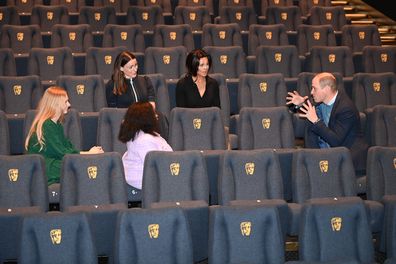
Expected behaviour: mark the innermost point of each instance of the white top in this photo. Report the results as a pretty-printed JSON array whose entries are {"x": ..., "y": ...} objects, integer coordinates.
[{"x": 133, "y": 158}]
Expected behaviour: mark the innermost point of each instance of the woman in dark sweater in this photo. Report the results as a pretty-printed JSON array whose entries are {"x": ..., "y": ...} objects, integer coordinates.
[
  {"x": 196, "y": 89},
  {"x": 126, "y": 86}
]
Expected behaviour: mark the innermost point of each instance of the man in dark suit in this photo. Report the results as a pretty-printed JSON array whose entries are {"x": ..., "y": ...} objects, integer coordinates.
[{"x": 334, "y": 119}]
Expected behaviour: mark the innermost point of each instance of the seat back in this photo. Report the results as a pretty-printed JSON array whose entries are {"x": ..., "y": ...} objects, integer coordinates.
[
  {"x": 196, "y": 129},
  {"x": 169, "y": 61},
  {"x": 144, "y": 235},
  {"x": 248, "y": 234},
  {"x": 4, "y": 134},
  {"x": 384, "y": 125},
  {"x": 224, "y": 97},
  {"x": 21, "y": 38},
  {"x": 267, "y": 35},
  {"x": 309, "y": 36},
  {"x": 380, "y": 168},
  {"x": 174, "y": 176},
  {"x": 119, "y": 5},
  {"x": 244, "y": 16},
  {"x": 278, "y": 59},
  {"x": 23, "y": 182},
  {"x": 162, "y": 103},
  {"x": 221, "y": 35},
  {"x": 71, "y": 126},
  {"x": 10, "y": 16},
  {"x": 97, "y": 16},
  {"x": 335, "y": 231},
  {"x": 24, "y": 6},
  {"x": 47, "y": 16},
  {"x": 197, "y": 3},
  {"x": 77, "y": 37},
  {"x": 371, "y": 89},
  {"x": 109, "y": 123},
  {"x": 86, "y": 93},
  {"x": 164, "y": 4},
  {"x": 57, "y": 238},
  {"x": 319, "y": 173},
  {"x": 324, "y": 15},
  {"x": 331, "y": 59},
  {"x": 49, "y": 63},
  {"x": 173, "y": 36},
  {"x": 101, "y": 60},
  {"x": 265, "y": 127},
  {"x": 290, "y": 16},
  {"x": 306, "y": 5},
  {"x": 146, "y": 16},
  {"x": 356, "y": 37},
  {"x": 195, "y": 16},
  {"x": 230, "y": 60},
  {"x": 96, "y": 179},
  {"x": 379, "y": 59},
  {"x": 7, "y": 62},
  {"x": 249, "y": 175},
  {"x": 19, "y": 94},
  {"x": 267, "y": 3},
  {"x": 72, "y": 6},
  {"x": 130, "y": 36},
  {"x": 261, "y": 90}
]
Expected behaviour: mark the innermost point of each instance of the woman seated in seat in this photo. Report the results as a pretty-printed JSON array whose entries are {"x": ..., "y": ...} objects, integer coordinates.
[
  {"x": 126, "y": 87},
  {"x": 46, "y": 136},
  {"x": 140, "y": 132},
  {"x": 196, "y": 89}
]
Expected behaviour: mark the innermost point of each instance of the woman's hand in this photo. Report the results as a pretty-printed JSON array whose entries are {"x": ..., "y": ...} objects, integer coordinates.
[
  {"x": 96, "y": 150},
  {"x": 93, "y": 150}
]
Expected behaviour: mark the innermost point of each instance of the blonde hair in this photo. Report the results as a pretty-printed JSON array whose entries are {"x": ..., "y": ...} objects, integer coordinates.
[{"x": 48, "y": 107}]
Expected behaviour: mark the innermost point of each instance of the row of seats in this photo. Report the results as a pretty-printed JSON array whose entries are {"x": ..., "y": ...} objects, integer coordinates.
[
  {"x": 333, "y": 230},
  {"x": 21, "y": 38},
  {"x": 157, "y": 13},
  {"x": 95, "y": 184},
  {"x": 267, "y": 91},
  {"x": 230, "y": 61},
  {"x": 169, "y": 5}
]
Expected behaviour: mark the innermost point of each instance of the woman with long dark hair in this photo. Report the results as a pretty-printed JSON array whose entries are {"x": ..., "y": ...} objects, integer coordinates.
[{"x": 139, "y": 131}]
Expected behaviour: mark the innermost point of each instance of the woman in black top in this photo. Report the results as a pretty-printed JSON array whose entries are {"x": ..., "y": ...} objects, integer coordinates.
[
  {"x": 196, "y": 89},
  {"x": 126, "y": 86}
]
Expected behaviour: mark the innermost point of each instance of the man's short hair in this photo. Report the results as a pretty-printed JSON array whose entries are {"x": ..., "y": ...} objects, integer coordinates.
[{"x": 327, "y": 79}]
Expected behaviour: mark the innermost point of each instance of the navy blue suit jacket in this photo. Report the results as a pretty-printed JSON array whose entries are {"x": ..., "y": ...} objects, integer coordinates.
[{"x": 343, "y": 130}]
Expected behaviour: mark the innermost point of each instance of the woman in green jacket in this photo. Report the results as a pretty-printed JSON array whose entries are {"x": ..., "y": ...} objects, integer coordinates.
[{"x": 46, "y": 136}]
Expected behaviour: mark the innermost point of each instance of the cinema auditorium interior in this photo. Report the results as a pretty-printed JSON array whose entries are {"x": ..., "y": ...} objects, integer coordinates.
[{"x": 242, "y": 184}]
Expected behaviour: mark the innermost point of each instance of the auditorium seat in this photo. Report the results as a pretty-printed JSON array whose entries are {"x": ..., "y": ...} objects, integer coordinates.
[
  {"x": 49, "y": 63},
  {"x": 253, "y": 177},
  {"x": 221, "y": 35},
  {"x": 357, "y": 37},
  {"x": 4, "y": 134},
  {"x": 144, "y": 235},
  {"x": 245, "y": 234},
  {"x": 169, "y": 61},
  {"x": 195, "y": 16},
  {"x": 7, "y": 62},
  {"x": 24, "y": 6},
  {"x": 47, "y": 16},
  {"x": 244, "y": 16},
  {"x": 179, "y": 179},
  {"x": 109, "y": 123},
  {"x": 101, "y": 60},
  {"x": 195, "y": 3},
  {"x": 379, "y": 59},
  {"x": 173, "y": 36},
  {"x": 383, "y": 127},
  {"x": 57, "y": 238},
  {"x": 196, "y": 129},
  {"x": 290, "y": 16},
  {"x": 306, "y": 5},
  {"x": 95, "y": 184},
  {"x": 9, "y": 15},
  {"x": 265, "y": 127},
  {"x": 309, "y": 36}
]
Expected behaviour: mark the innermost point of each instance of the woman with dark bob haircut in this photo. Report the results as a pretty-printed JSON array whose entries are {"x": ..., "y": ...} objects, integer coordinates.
[
  {"x": 196, "y": 89},
  {"x": 139, "y": 131}
]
